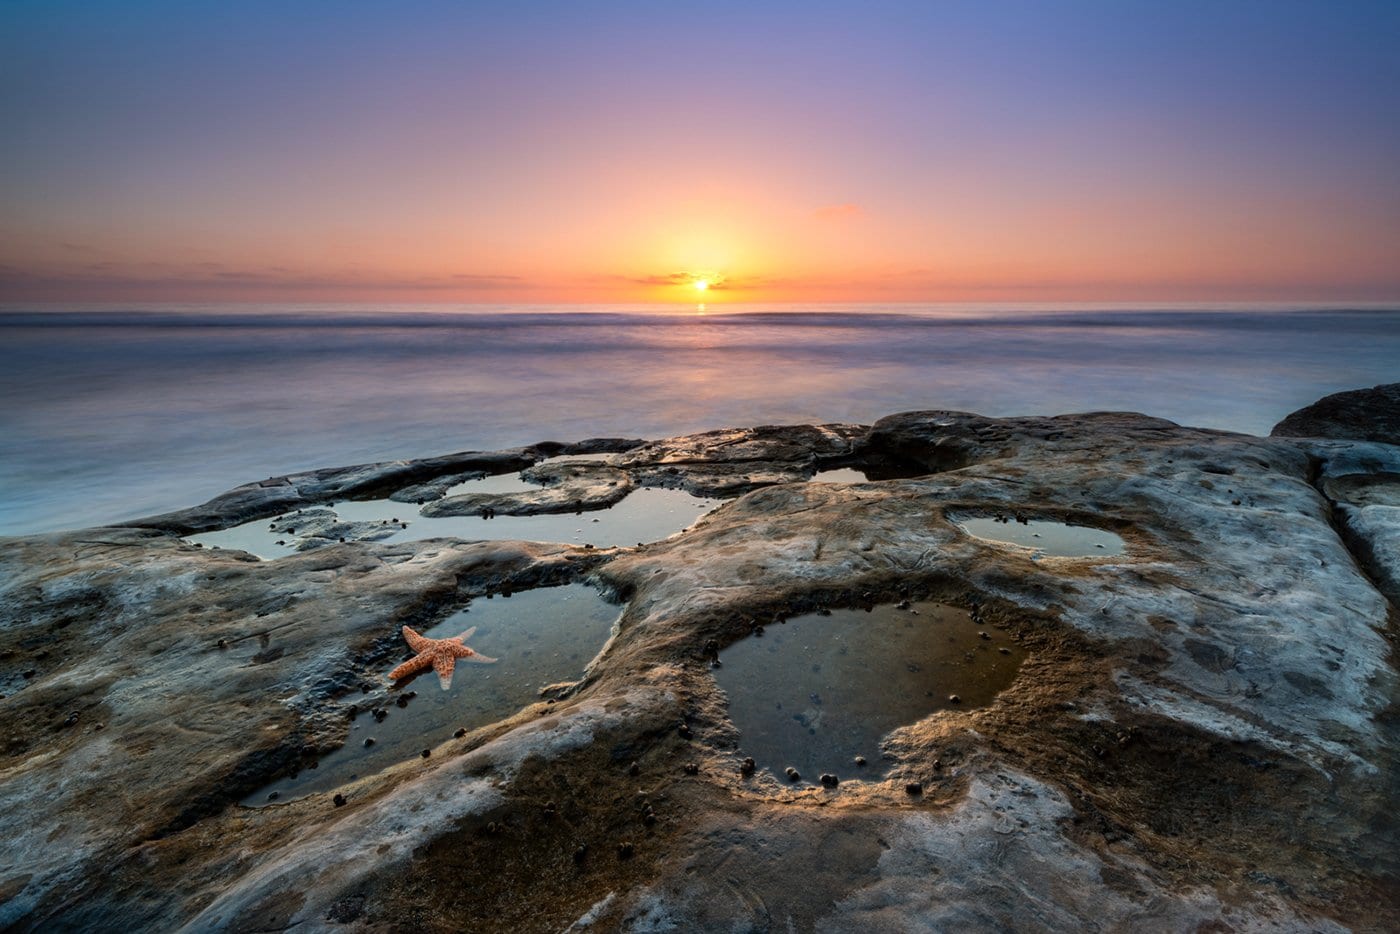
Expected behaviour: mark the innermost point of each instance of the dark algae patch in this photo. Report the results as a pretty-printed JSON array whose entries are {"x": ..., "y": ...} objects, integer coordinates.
[{"x": 814, "y": 694}]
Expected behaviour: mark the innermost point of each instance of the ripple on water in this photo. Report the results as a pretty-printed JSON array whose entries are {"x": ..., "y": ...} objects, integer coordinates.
[
  {"x": 539, "y": 637},
  {"x": 1056, "y": 539},
  {"x": 820, "y": 690}
]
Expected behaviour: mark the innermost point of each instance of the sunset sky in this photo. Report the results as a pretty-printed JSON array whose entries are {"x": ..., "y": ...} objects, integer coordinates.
[{"x": 619, "y": 152}]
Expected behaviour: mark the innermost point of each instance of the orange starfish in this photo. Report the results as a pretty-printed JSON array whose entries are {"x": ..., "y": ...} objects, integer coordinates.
[{"x": 438, "y": 654}]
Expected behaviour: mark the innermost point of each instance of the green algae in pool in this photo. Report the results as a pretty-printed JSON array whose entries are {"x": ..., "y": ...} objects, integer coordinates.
[
  {"x": 647, "y": 514},
  {"x": 538, "y": 637},
  {"x": 820, "y": 690},
  {"x": 1056, "y": 539}
]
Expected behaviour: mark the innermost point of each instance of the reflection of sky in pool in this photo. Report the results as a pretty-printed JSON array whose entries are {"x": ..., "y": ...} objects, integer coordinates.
[
  {"x": 646, "y": 515},
  {"x": 820, "y": 690},
  {"x": 538, "y": 637},
  {"x": 514, "y": 482},
  {"x": 1050, "y": 538},
  {"x": 840, "y": 475}
]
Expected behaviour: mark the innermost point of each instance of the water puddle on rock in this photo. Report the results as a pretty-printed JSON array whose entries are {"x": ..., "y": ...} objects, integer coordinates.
[
  {"x": 1054, "y": 539},
  {"x": 816, "y": 692},
  {"x": 538, "y": 637},
  {"x": 647, "y": 514},
  {"x": 872, "y": 471},
  {"x": 839, "y": 475},
  {"x": 514, "y": 482}
]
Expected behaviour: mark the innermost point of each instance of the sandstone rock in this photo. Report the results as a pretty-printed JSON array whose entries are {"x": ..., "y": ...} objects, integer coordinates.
[
  {"x": 1360, "y": 414},
  {"x": 1200, "y": 736}
]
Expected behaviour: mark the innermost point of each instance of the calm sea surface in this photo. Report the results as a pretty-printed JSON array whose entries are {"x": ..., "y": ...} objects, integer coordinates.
[{"x": 113, "y": 414}]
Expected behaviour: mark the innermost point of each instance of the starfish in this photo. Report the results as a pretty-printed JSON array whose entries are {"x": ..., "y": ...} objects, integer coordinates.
[{"x": 438, "y": 654}]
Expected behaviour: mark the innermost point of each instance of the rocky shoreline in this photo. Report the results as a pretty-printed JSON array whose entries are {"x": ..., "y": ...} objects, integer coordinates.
[{"x": 1203, "y": 734}]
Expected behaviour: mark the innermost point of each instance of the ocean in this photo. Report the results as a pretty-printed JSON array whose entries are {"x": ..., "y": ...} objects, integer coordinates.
[{"x": 111, "y": 414}]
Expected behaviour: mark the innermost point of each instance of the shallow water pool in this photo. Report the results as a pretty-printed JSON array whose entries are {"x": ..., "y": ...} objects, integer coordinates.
[
  {"x": 818, "y": 691},
  {"x": 647, "y": 514},
  {"x": 538, "y": 637},
  {"x": 1056, "y": 539}
]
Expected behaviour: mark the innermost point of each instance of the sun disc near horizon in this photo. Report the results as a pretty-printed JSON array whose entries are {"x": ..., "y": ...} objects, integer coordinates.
[{"x": 701, "y": 284}]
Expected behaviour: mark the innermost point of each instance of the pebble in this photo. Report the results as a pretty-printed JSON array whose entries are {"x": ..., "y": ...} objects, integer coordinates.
[
  {"x": 223, "y": 643},
  {"x": 72, "y": 720},
  {"x": 426, "y": 753},
  {"x": 624, "y": 850},
  {"x": 692, "y": 769},
  {"x": 747, "y": 766},
  {"x": 369, "y": 741},
  {"x": 338, "y": 801},
  {"x": 379, "y": 714},
  {"x": 1004, "y": 650},
  {"x": 983, "y": 635},
  {"x": 28, "y": 674},
  {"x": 792, "y": 774},
  {"x": 684, "y": 731},
  {"x": 634, "y": 770},
  {"x": 914, "y": 788},
  {"x": 580, "y": 852},
  {"x": 274, "y": 796},
  {"x": 829, "y": 780},
  {"x": 459, "y": 733},
  {"x": 860, "y": 761},
  {"x": 954, "y": 699}
]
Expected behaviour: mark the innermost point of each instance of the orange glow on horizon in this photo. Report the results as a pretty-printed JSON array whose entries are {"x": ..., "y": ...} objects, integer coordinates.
[{"x": 481, "y": 153}]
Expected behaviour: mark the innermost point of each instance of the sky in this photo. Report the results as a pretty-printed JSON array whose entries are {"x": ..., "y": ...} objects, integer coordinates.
[{"x": 339, "y": 150}]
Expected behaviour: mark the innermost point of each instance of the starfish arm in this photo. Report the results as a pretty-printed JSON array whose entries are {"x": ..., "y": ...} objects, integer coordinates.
[
  {"x": 466, "y": 635},
  {"x": 470, "y": 654},
  {"x": 415, "y": 642},
  {"x": 444, "y": 665},
  {"x": 411, "y": 667}
]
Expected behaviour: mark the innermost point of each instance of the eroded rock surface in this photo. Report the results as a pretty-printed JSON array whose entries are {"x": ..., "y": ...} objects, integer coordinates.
[
  {"x": 1202, "y": 735},
  {"x": 1358, "y": 414},
  {"x": 568, "y": 487}
]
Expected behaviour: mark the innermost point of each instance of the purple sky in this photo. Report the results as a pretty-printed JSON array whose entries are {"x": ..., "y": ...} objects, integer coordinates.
[{"x": 622, "y": 152}]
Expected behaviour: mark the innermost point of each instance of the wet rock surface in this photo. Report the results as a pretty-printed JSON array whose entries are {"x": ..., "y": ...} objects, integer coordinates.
[
  {"x": 1358, "y": 414},
  {"x": 572, "y": 486},
  {"x": 1201, "y": 735}
]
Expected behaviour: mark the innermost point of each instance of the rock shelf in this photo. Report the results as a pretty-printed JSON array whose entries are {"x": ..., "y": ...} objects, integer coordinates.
[{"x": 1201, "y": 735}]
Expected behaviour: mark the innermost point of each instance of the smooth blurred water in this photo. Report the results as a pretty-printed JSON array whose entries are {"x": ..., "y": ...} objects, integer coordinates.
[{"x": 109, "y": 415}]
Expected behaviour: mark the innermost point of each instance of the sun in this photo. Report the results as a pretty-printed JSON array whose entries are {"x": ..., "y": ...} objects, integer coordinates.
[{"x": 701, "y": 284}]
